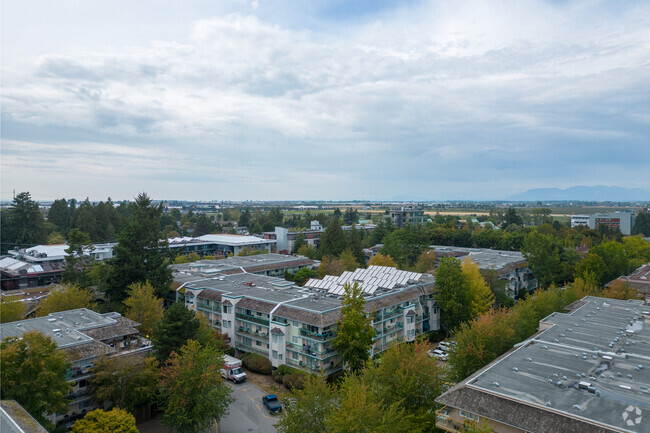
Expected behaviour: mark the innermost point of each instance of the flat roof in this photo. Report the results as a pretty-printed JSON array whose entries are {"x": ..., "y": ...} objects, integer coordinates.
[
  {"x": 485, "y": 258},
  {"x": 592, "y": 365},
  {"x": 227, "y": 239},
  {"x": 207, "y": 267},
  {"x": 15, "y": 419}
]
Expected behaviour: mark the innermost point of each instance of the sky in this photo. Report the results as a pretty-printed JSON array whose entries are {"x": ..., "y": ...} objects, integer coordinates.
[{"x": 322, "y": 100}]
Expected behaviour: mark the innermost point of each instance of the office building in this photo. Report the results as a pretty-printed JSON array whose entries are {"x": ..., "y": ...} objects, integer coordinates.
[
  {"x": 587, "y": 371},
  {"x": 624, "y": 221},
  {"x": 219, "y": 244},
  {"x": 407, "y": 216}
]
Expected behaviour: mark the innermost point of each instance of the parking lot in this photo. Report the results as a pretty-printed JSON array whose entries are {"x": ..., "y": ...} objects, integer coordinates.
[{"x": 246, "y": 413}]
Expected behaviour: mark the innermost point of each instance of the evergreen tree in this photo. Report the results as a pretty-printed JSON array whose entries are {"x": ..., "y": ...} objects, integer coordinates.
[
  {"x": 244, "y": 218},
  {"x": 355, "y": 332},
  {"x": 139, "y": 253},
  {"x": 24, "y": 226},
  {"x": 351, "y": 216},
  {"x": 354, "y": 244},
  {"x": 59, "y": 215},
  {"x": 77, "y": 262},
  {"x": 176, "y": 327},
  {"x": 332, "y": 241}
]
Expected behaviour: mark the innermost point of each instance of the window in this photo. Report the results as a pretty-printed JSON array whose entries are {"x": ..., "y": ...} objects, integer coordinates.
[
  {"x": 257, "y": 343},
  {"x": 226, "y": 309},
  {"x": 277, "y": 338},
  {"x": 470, "y": 415},
  {"x": 296, "y": 324},
  {"x": 294, "y": 355},
  {"x": 410, "y": 319},
  {"x": 248, "y": 312},
  {"x": 295, "y": 340},
  {"x": 280, "y": 356},
  {"x": 85, "y": 404},
  {"x": 226, "y": 323},
  {"x": 246, "y": 341},
  {"x": 274, "y": 354}
]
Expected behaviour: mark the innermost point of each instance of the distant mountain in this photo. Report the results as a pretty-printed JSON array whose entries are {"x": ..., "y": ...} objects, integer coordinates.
[{"x": 584, "y": 193}]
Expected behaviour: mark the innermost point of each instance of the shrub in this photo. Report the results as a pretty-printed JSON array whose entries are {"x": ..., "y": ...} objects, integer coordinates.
[
  {"x": 257, "y": 363},
  {"x": 231, "y": 351},
  {"x": 294, "y": 380}
]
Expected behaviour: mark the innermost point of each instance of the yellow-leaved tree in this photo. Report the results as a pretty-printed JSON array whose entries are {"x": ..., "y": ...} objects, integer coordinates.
[
  {"x": 481, "y": 296},
  {"x": 380, "y": 259},
  {"x": 144, "y": 306},
  {"x": 62, "y": 298}
]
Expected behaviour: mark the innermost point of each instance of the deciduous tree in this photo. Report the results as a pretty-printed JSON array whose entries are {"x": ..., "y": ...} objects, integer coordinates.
[
  {"x": 453, "y": 294},
  {"x": 62, "y": 298},
  {"x": 330, "y": 266},
  {"x": 193, "y": 395},
  {"x": 112, "y": 421},
  {"x": 543, "y": 255},
  {"x": 32, "y": 372},
  {"x": 11, "y": 309},
  {"x": 355, "y": 332},
  {"x": 313, "y": 405},
  {"x": 481, "y": 297},
  {"x": 348, "y": 260},
  {"x": 126, "y": 382},
  {"x": 144, "y": 306},
  {"x": 380, "y": 259},
  {"x": 303, "y": 275}
]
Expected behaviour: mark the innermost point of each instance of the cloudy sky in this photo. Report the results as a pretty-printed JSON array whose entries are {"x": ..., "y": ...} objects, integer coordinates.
[{"x": 362, "y": 99}]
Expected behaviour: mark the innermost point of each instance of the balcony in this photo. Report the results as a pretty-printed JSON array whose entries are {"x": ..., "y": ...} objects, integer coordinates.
[
  {"x": 252, "y": 319},
  {"x": 262, "y": 336},
  {"x": 387, "y": 316},
  {"x": 301, "y": 365},
  {"x": 253, "y": 348},
  {"x": 315, "y": 335},
  {"x": 216, "y": 309},
  {"x": 327, "y": 353},
  {"x": 394, "y": 327}
]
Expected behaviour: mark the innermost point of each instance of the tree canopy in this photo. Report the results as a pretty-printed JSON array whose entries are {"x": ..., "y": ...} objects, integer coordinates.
[
  {"x": 32, "y": 372},
  {"x": 193, "y": 395},
  {"x": 112, "y": 421},
  {"x": 177, "y": 326},
  {"x": 355, "y": 332},
  {"x": 23, "y": 225},
  {"x": 139, "y": 252},
  {"x": 62, "y": 298},
  {"x": 453, "y": 295},
  {"x": 144, "y": 307},
  {"x": 332, "y": 241}
]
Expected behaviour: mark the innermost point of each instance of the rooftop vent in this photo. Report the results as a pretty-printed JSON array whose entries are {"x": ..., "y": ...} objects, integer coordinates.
[{"x": 576, "y": 407}]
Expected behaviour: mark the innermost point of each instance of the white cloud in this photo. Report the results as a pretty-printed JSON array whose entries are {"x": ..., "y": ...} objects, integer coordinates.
[{"x": 430, "y": 87}]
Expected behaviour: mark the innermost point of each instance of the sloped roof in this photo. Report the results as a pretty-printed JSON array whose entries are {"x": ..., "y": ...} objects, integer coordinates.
[
  {"x": 310, "y": 317},
  {"x": 256, "y": 304},
  {"x": 123, "y": 327}
]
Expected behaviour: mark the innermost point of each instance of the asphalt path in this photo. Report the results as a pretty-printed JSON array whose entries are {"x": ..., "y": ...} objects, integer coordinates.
[{"x": 246, "y": 413}]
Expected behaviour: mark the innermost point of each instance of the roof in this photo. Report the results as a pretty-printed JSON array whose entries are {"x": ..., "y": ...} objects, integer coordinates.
[
  {"x": 122, "y": 328},
  {"x": 277, "y": 331},
  {"x": 239, "y": 264},
  {"x": 239, "y": 240},
  {"x": 309, "y": 317},
  {"x": 15, "y": 419},
  {"x": 257, "y": 305},
  {"x": 16, "y": 267},
  {"x": 588, "y": 372},
  {"x": 504, "y": 262},
  {"x": 639, "y": 279},
  {"x": 91, "y": 349}
]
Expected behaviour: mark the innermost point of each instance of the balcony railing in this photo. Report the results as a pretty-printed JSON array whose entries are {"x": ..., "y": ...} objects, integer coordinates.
[
  {"x": 387, "y": 316},
  {"x": 252, "y": 348},
  {"x": 252, "y": 319},
  {"x": 317, "y": 354},
  {"x": 301, "y": 365},
  {"x": 316, "y": 335},
  {"x": 262, "y": 336}
]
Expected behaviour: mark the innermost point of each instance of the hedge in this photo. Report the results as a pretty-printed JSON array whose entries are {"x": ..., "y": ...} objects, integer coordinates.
[
  {"x": 257, "y": 363},
  {"x": 291, "y": 377}
]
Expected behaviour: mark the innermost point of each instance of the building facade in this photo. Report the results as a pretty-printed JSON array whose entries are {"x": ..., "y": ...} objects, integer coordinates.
[
  {"x": 579, "y": 220},
  {"x": 407, "y": 216},
  {"x": 295, "y": 325},
  {"x": 84, "y": 336},
  {"x": 586, "y": 371},
  {"x": 219, "y": 244},
  {"x": 510, "y": 266},
  {"x": 624, "y": 221}
]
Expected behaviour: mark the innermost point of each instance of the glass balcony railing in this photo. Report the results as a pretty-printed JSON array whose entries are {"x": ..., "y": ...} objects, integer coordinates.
[
  {"x": 252, "y": 319},
  {"x": 316, "y": 335}
]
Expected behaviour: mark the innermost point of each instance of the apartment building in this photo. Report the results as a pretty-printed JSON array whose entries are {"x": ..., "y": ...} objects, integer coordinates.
[
  {"x": 510, "y": 266},
  {"x": 273, "y": 265},
  {"x": 84, "y": 336},
  {"x": 286, "y": 239},
  {"x": 407, "y": 215},
  {"x": 295, "y": 325},
  {"x": 639, "y": 280},
  {"x": 585, "y": 371}
]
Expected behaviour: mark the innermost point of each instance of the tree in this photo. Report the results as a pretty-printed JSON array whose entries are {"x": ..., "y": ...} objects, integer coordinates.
[
  {"x": 112, "y": 421},
  {"x": 355, "y": 332},
  {"x": 426, "y": 261},
  {"x": 176, "y": 327},
  {"x": 32, "y": 372},
  {"x": 124, "y": 381},
  {"x": 641, "y": 224},
  {"x": 303, "y": 275},
  {"x": 63, "y": 298},
  {"x": 453, "y": 296},
  {"x": 144, "y": 307},
  {"x": 348, "y": 260},
  {"x": 405, "y": 245},
  {"x": 620, "y": 290},
  {"x": 193, "y": 394},
  {"x": 330, "y": 266},
  {"x": 354, "y": 244},
  {"x": 351, "y": 216},
  {"x": 332, "y": 241},
  {"x": 593, "y": 269},
  {"x": 512, "y": 217},
  {"x": 203, "y": 225},
  {"x": 77, "y": 261},
  {"x": 138, "y": 254},
  {"x": 244, "y": 218},
  {"x": 299, "y": 242},
  {"x": 361, "y": 410},
  {"x": 55, "y": 238},
  {"x": 308, "y": 251},
  {"x": 380, "y": 259},
  {"x": 615, "y": 258},
  {"x": 313, "y": 405},
  {"x": 409, "y": 377},
  {"x": 25, "y": 223},
  {"x": 59, "y": 215},
  {"x": 11, "y": 309},
  {"x": 481, "y": 297},
  {"x": 543, "y": 255}
]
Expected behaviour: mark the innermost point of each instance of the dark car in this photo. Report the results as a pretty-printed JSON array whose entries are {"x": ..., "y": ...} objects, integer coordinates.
[{"x": 272, "y": 403}]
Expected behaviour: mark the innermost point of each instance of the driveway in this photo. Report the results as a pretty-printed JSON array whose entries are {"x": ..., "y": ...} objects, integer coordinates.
[{"x": 246, "y": 413}]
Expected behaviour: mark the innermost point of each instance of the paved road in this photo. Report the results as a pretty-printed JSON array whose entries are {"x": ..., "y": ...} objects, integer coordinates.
[{"x": 246, "y": 413}]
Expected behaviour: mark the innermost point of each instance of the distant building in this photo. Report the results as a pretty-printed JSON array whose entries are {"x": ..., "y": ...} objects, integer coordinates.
[
  {"x": 579, "y": 220},
  {"x": 510, "y": 266},
  {"x": 286, "y": 239},
  {"x": 42, "y": 265},
  {"x": 586, "y": 371},
  {"x": 84, "y": 336},
  {"x": 272, "y": 265},
  {"x": 624, "y": 221},
  {"x": 221, "y": 244},
  {"x": 295, "y": 325},
  {"x": 407, "y": 216}
]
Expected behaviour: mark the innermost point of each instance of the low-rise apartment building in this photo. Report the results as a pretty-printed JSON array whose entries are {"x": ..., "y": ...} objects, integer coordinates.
[
  {"x": 84, "y": 336},
  {"x": 586, "y": 371},
  {"x": 273, "y": 265},
  {"x": 510, "y": 266},
  {"x": 295, "y": 325}
]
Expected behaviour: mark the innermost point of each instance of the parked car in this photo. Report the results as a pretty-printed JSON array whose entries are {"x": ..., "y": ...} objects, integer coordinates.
[
  {"x": 440, "y": 354},
  {"x": 272, "y": 403}
]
